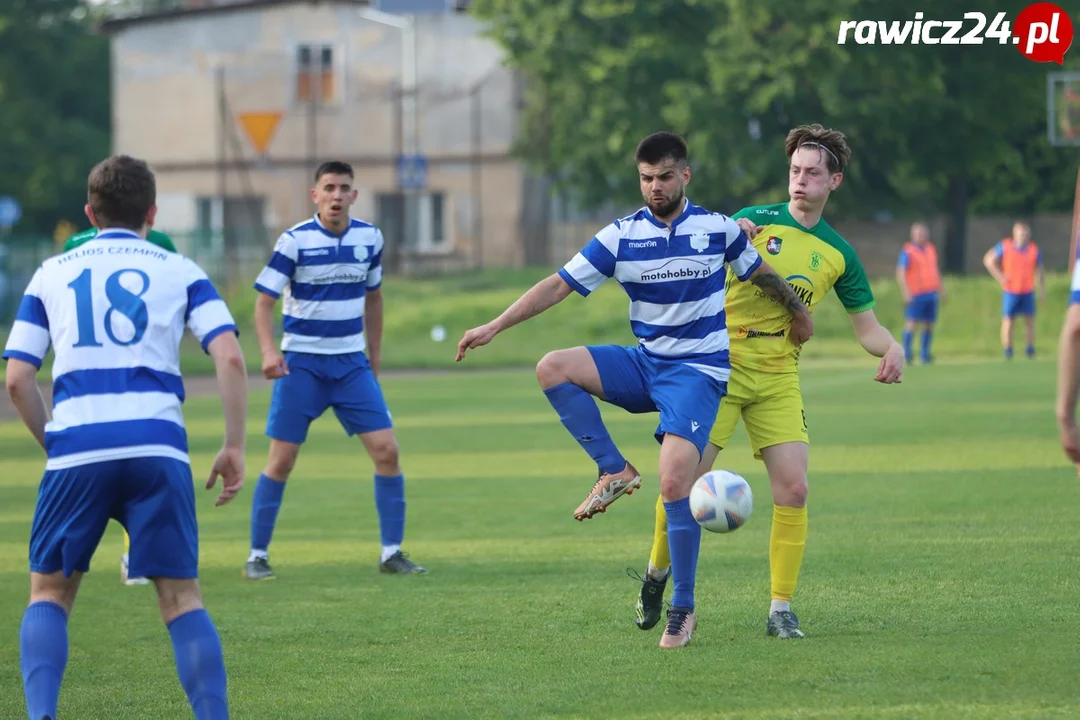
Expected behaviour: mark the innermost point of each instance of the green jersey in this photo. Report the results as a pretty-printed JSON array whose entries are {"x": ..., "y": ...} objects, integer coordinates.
[{"x": 158, "y": 238}]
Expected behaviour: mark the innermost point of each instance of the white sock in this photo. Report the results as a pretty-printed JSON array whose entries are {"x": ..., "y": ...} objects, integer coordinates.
[
  {"x": 124, "y": 559},
  {"x": 779, "y": 606},
  {"x": 654, "y": 573},
  {"x": 257, "y": 554},
  {"x": 388, "y": 552}
]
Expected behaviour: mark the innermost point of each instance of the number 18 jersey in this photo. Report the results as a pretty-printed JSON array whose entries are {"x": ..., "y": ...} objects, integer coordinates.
[{"x": 114, "y": 311}]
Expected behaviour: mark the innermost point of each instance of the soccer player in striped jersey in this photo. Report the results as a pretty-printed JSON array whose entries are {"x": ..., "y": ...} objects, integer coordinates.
[
  {"x": 671, "y": 257},
  {"x": 1068, "y": 386},
  {"x": 764, "y": 388},
  {"x": 164, "y": 242},
  {"x": 328, "y": 272},
  {"x": 114, "y": 311}
]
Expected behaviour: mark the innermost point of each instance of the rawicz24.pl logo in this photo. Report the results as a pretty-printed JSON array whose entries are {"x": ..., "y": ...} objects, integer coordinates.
[{"x": 1042, "y": 32}]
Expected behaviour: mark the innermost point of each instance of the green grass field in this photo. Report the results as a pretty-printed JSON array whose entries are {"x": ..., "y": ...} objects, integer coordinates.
[{"x": 940, "y": 577}]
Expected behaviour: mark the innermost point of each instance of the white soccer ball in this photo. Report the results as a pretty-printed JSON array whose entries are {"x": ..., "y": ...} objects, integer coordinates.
[{"x": 721, "y": 501}]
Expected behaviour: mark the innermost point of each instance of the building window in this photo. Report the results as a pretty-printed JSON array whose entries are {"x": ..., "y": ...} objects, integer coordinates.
[
  {"x": 413, "y": 221},
  {"x": 317, "y": 71}
]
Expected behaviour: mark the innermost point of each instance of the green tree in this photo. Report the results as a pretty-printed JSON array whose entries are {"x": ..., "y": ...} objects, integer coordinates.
[
  {"x": 54, "y": 91},
  {"x": 934, "y": 128}
]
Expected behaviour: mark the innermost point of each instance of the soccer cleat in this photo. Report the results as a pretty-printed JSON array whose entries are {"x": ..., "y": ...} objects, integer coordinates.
[
  {"x": 258, "y": 569},
  {"x": 650, "y": 602},
  {"x": 784, "y": 625},
  {"x": 681, "y": 624},
  {"x": 609, "y": 487},
  {"x": 124, "y": 574},
  {"x": 400, "y": 564}
]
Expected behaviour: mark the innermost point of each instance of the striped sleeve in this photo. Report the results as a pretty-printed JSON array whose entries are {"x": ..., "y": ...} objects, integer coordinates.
[
  {"x": 206, "y": 315},
  {"x": 279, "y": 271},
  {"x": 374, "y": 278},
  {"x": 591, "y": 267},
  {"x": 740, "y": 253},
  {"x": 29, "y": 337}
]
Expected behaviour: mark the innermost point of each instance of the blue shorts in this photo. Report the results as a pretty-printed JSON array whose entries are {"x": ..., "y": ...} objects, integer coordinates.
[
  {"x": 1013, "y": 304},
  {"x": 152, "y": 497},
  {"x": 923, "y": 308},
  {"x": 687, "y": 399},
  {"x": 316, "y": 382}
]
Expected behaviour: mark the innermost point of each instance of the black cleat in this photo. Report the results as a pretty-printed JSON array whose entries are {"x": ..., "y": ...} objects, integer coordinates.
[
  {"x": 650, "y": 602},
  {"x": 258, "y": 569},
  {"x": 784, "y": 625},
  {"x": 400, "y": 564}
]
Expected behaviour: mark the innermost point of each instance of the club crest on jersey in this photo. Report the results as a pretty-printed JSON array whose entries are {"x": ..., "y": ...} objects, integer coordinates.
[
  {"x": 815, "y": 260},
  {"x": 699, "y": 241},
  {"x": 773, "y": 245}
]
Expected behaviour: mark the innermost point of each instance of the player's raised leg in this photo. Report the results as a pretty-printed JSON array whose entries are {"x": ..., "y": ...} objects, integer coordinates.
[
  {"x": 571, "y": 379},
  {"x": 787, "y": 464}
]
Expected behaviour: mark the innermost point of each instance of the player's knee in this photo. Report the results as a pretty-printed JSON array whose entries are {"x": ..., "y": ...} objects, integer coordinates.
[
  {"x": 281, "y": 464},
  {"x": 384, "y": 454},
  {"x": 790, "y": 491},
  {"x": 177, "y": 597},
  {"x": 551, "y": 370}
]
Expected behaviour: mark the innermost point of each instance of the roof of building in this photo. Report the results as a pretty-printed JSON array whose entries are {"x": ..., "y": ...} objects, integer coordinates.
[{"x": 210, "y": 7}]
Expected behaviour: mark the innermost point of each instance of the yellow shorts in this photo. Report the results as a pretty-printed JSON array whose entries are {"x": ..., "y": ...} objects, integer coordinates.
[{"x": 771, "y": 406}]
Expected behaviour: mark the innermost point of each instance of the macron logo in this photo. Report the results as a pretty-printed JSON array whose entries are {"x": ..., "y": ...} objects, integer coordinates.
[
  {"x": 694, "y": 426},
  {"x": 641, "y": 244}
]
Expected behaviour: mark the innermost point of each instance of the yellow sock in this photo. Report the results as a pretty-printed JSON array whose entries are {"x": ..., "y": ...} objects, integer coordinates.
[
  {"x": 787, "y": 541},
  {"x": 660, "y": 557},
  {"x": 127, "y": 542}
]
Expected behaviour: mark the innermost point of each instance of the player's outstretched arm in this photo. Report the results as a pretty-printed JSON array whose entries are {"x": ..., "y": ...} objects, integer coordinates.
[
  {"x": 879, "y": 342},
  {"x": 1068, "y": 385},
  {"x": 548, "y": 292},
  {"x": 771, "y": 284},
  {"x": 232, "y": 386},
  {"x": 21, "y": 382}
]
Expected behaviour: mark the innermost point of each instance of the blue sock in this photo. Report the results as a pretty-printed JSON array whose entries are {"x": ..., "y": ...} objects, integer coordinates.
[
  {"x": 43, "y": 654},
  {"x": 265, "y": 503},
  {"x": 1008, "y": 352},
  {"x": 579, "y": 414},
  {"x": 1030, "y": 350},
  {"x": 390, "y": 504},
  {"x": 907, "y": 345},
  {"x": 200, "y": 664},
  {"x": 684, "y": 540},
  {"x": 927, "y": 336}
]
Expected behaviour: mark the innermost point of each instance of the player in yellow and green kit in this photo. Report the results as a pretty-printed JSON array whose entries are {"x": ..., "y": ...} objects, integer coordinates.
[
  {"x": 164, "y": 242},
  {"x": 764, "y": 386}
]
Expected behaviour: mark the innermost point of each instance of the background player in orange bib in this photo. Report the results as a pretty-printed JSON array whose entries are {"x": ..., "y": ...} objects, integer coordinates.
[
  {"x": 1016, "y": 264},
  {"x": 920, "y": 283}
]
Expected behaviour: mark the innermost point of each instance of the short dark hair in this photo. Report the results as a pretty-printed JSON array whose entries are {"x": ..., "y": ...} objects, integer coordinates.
[
  {"x": 121, "y": 190},
  {"x": 831, "y": 143},
  {"x": 659, "y": 147},
  {"x": 334, "y": 167}
]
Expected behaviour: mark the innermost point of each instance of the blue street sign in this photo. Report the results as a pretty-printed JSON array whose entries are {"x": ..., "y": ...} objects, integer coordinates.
[
  {"x": 10, "y": 211},
  {"x": 412, "y": 172}
]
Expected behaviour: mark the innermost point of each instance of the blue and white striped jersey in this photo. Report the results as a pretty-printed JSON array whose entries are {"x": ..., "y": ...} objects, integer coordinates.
[
  {"x": 324, "y": 278},
  {"x": 675, "y": 279},
  {"x": 114, "y": 311}
]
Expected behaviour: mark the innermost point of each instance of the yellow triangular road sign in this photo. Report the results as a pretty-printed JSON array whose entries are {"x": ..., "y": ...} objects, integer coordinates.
[{"x": 260, "y": 128}]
